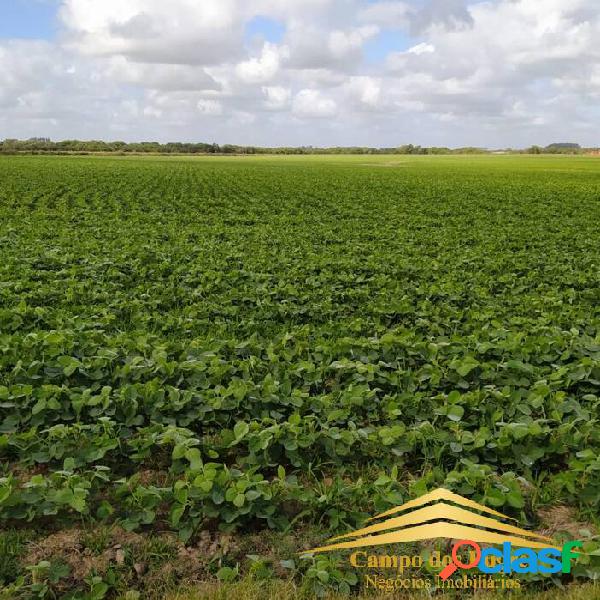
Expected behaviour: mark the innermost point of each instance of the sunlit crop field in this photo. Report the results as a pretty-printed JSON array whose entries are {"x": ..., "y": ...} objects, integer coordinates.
[{"x": 277, "y": 348}]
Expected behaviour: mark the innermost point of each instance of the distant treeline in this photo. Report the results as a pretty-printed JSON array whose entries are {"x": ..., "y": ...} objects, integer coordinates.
[
  {"x": 559, "y": 149},
  {"x": 45, "y": 145}
]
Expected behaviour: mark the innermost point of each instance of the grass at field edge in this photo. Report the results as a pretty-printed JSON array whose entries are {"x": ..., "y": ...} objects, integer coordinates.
[{"x": 260, "y": 590}]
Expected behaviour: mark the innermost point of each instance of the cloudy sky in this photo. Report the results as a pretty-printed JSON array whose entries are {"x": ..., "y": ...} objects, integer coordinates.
[{"x": 292, "y": 72}]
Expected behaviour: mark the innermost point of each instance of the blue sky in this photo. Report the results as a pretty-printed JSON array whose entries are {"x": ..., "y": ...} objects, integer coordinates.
[
  {"x": 268, "y": 29},
  {"x": 28, "y": 19}
]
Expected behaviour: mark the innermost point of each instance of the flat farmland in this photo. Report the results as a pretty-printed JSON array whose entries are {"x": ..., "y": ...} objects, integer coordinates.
[{"x": 276, "y": 348}]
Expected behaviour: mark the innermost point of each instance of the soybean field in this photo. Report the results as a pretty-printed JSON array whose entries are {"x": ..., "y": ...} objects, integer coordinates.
[{"x": 214, "y": 363}]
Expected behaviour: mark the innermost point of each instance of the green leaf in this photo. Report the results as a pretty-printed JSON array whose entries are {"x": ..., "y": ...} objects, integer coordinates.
[
  {"x": 105, "y": 510},
  {"x": 180, "y": 492},
  {"x": 494, "y": 497},
  {"x": 227, "y": 574},
  {"x": 39, "y": 406},
  {"x": 467, "y": 365},
  {"x": 203, "y": 484},
  {"x": 78, "y": 501},
  {"x": 176, "y": 514},
  {"x": 195, "y": 458},
  {"x": 515, "y": 499},
  {"x": 240, "y": 430},
  {"x": 455, "y": 412}
]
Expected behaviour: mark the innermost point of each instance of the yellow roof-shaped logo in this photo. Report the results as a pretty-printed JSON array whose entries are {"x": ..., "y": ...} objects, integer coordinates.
[{"x": 438, "y": 514}]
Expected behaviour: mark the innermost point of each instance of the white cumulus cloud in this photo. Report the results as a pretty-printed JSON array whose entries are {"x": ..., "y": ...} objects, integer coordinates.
[
  {"x": 263, "y": 68},
  {"x": 313, "y": 103},
  {"x": 277, "y": 97}
]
